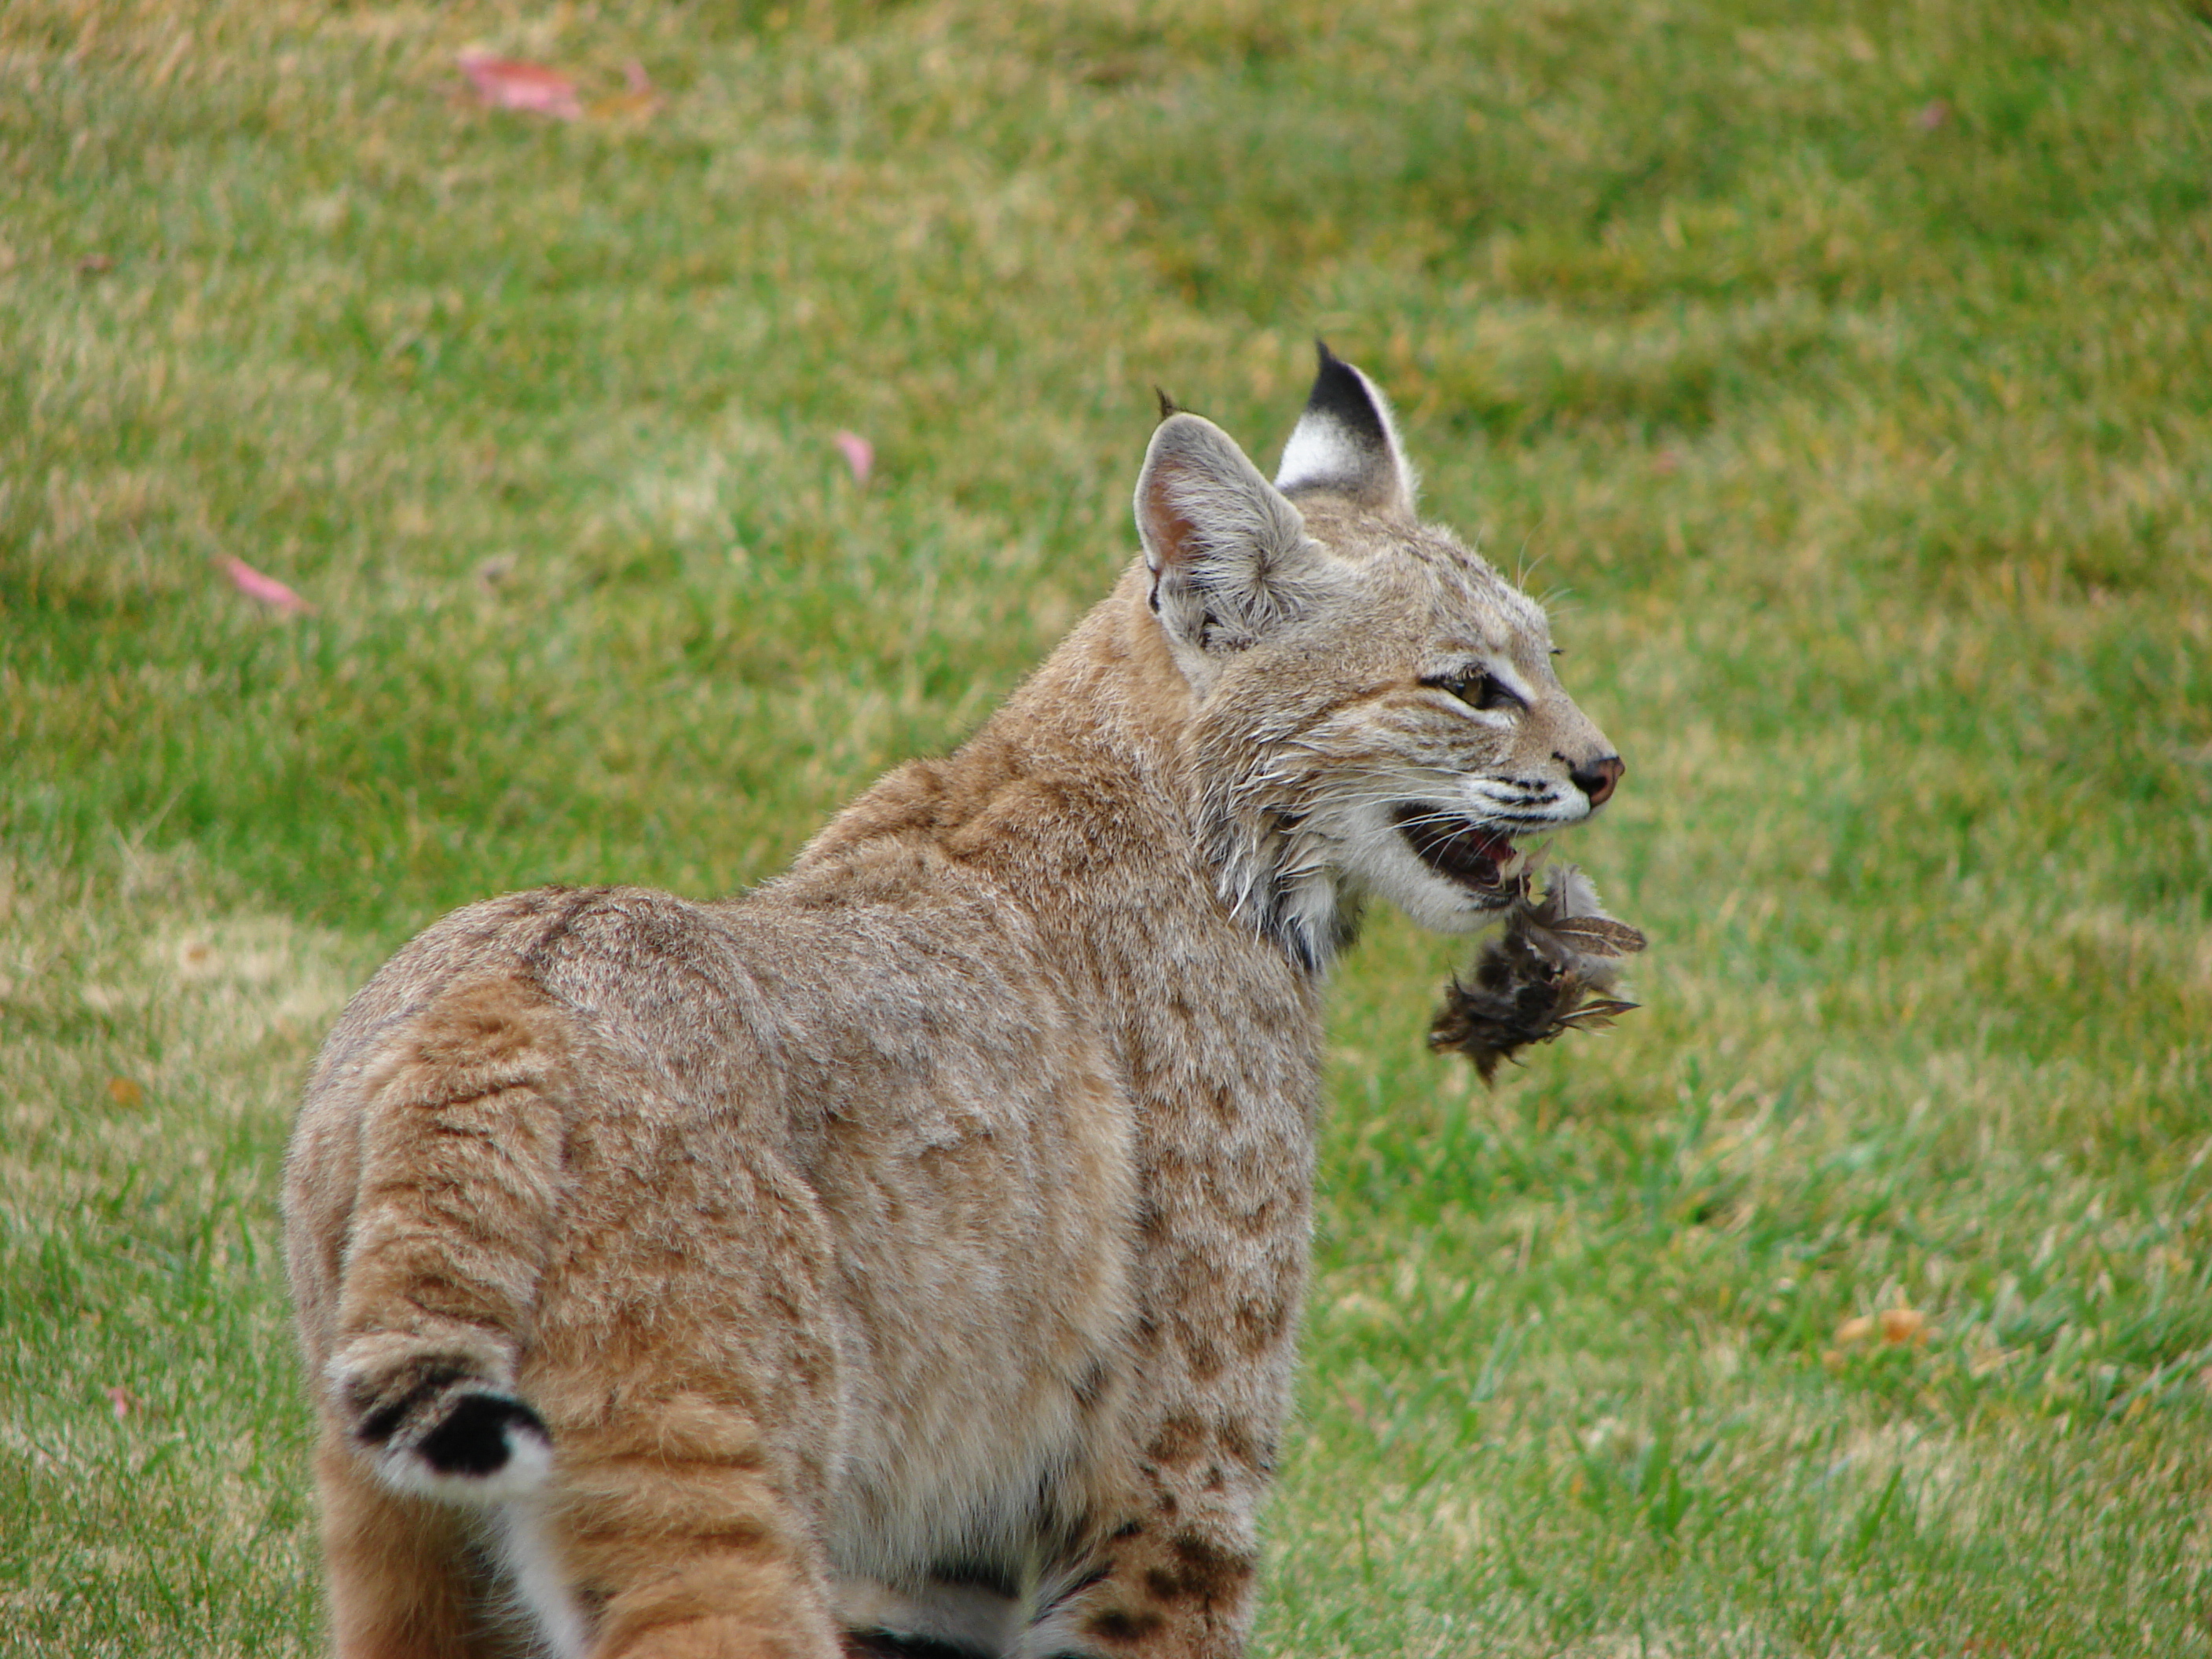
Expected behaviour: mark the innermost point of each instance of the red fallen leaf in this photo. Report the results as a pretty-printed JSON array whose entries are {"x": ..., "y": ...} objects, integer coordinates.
[
  {"x": 123, "y": 1400},
  {"x": 511, "y": 83},
  {"x": 267, "y": 589},
  {"x": 860, "y": 454}
]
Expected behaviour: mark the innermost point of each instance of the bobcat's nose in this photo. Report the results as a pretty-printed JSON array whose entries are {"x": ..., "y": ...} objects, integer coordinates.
[{"x": 1596, "y": 778}]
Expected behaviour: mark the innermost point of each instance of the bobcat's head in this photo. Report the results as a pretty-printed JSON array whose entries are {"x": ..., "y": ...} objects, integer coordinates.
[{"x": 1376, "y": 711}]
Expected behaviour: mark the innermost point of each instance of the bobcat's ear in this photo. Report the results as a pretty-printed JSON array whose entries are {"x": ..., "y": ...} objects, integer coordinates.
[
  {"x": 1229, "y": 554},
  {"x": 1346, "y": 443}
]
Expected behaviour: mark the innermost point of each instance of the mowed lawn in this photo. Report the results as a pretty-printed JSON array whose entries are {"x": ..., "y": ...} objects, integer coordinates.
[{"x": 1842, "y": 374}]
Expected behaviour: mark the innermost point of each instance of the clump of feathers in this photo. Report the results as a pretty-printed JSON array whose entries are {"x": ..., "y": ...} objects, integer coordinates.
[{"x": 1554, "y": 967}]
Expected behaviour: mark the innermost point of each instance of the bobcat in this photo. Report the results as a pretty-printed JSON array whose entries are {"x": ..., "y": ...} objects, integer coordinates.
[{"x": 905, "y": 1258}]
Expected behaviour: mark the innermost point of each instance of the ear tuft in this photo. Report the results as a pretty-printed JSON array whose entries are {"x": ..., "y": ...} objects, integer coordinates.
[
  {"x": 1167, "y": 403},
  {"x": 1346, "y": 443}
]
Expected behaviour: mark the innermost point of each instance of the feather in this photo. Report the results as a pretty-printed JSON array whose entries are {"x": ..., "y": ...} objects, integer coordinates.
[{"x": 1553, "y": 968}]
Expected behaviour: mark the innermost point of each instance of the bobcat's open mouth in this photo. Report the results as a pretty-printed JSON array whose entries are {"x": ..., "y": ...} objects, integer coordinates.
[{"x": 1482, "y": 859}]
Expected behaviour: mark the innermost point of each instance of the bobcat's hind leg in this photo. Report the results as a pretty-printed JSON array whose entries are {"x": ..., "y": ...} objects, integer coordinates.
[
  {"x": 682, "y": 1541},
  {"x": 694, "y": 1399},
  {"x": 739, "y": 1600},
  {"x": 403, "y": 1582}
]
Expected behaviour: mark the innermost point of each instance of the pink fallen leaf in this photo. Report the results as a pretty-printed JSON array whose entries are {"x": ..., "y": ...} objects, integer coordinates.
[
  {"x": 860, "y": 454},
  {"x": 123, "y": 1400},
  {"x": 512, "y": 83},
  {"x": 1932, "y": 116},
  {"x": 267, "y": 589}
]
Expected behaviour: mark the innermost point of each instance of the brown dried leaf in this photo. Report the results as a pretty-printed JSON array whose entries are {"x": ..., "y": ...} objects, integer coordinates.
[{"x": 1900, "y": 1325}]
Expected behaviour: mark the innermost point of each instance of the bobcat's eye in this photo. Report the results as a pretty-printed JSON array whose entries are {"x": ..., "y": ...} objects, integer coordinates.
[{"x": 1478, "y": 689}]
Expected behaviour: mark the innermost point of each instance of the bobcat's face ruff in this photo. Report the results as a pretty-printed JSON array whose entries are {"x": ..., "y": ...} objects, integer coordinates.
[{"x": 1380, "y": 703}]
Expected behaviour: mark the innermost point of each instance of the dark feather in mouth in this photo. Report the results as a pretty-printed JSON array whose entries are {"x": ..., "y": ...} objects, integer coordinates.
[{"x": 1453, "y": 848}]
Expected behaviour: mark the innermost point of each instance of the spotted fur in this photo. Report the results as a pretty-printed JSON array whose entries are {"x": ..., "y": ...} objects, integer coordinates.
[{"x": 905, "y": 1258}]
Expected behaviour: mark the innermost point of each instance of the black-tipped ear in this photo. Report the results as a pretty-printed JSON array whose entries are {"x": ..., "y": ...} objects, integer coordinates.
[
  {"x": 1167, "y": 403},
  {"x": 1347, "y": 442},
  {"x": 1229, "y": 554}
]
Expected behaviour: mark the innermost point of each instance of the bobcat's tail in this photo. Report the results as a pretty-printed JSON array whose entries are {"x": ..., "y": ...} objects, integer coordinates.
[{"x": 459, "y": 1135}]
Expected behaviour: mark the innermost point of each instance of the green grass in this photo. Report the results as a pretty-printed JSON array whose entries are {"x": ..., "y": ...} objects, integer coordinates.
[{"x": 1843, "y": 372}]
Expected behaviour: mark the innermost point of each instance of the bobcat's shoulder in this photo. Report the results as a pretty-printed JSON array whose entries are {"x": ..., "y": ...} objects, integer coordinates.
[{"x": 906, "y": 1256}]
